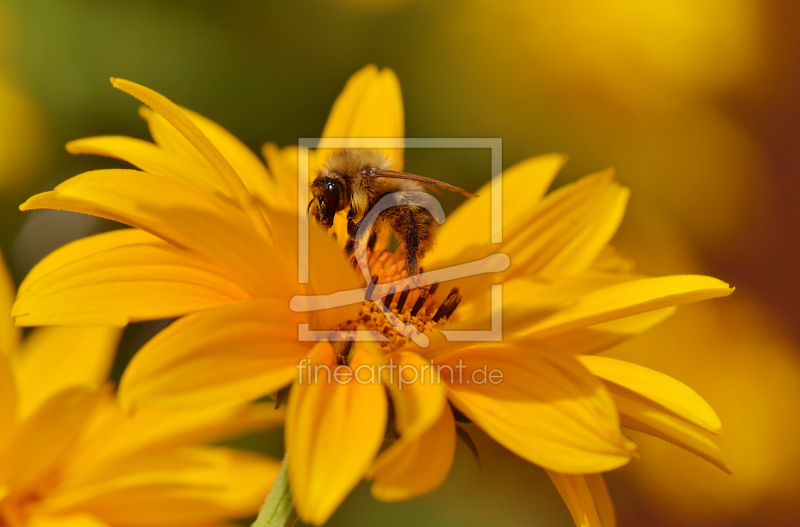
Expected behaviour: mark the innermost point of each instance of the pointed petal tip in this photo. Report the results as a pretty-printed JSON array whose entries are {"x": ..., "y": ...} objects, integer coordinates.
[
  {"x": 77, "y": 146},
  {"x": 71, "y": 146},
  {"x": 608, "y": 175},
  {"x": 32, "y": 203}
]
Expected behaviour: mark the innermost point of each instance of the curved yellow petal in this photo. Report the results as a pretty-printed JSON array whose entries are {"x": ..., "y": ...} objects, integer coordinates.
[
  {"x": 539, "y": 403},
  {"x": 8, "y": 397},
  {"x": 90, "y": 245},
  {"x": 371, "y": 105},
  {"x": 126, "y": 284},
  {"x": 587, "y": 498},
  {"x": 116, "y": 435},
  {"x": 630, "y": 298},
  {"x": 188, "y": 129},
  {"x": 329, "y": 272},
  {"x": 65, "y": 520},
  {"x": 171, "y": 140},
  {"x": 652, "y": 420},
  {"x": 245, "y": 163},
  {"x": 643, "y": 384},
  {"x": 416, "y": 391},
  {"x": 526, "y": 300},
  {"x": 561, "y": 235},
  {"x": 179, "y": 216},
  {"x": 136, "y": 198},
  {"x": 55, "y": 358},
  {"x": 568, "y": 229},
  {"x": 230, "y": 355},
  {"x": 9, "y": 333},
  {"x": 604, "y": 336},
  {"x": 333, "y": 432},
  {"x": 44, "y": 438},
  {"x": 282, "y": 164},
  {"x": 523, "y": 186},
  {"x": 261, "y": 267},
  {"x": 186, "y": 486},
  {"x": 413, "y": 467},
  {"x": 150, "y": 158}
]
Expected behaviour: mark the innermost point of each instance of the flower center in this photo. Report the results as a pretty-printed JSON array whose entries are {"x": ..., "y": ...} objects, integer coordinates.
[{"x": 415, "y": 306}]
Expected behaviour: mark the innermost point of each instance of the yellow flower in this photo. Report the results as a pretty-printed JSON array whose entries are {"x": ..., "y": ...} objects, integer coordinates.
[
  {"x": 215, "y": 240},
  {"x": 69, "y": 456}
]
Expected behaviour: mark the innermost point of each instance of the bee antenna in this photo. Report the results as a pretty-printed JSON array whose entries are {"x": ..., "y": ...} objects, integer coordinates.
[{"x": 308, "y": 210}]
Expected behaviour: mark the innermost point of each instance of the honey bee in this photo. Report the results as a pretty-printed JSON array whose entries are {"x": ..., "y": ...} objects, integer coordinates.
[{"x": 358, "y": 179}]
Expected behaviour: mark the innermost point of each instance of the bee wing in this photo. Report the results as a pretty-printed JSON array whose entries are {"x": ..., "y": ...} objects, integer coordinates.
[{"x": 419, "y": 179}]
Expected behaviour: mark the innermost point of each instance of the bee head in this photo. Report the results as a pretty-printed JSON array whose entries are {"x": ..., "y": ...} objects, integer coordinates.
[{"x": 327, "y": 192}]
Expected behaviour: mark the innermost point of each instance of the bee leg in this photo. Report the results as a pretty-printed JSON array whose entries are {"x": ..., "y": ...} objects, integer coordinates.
[
  {"x": 405, "y": 224},
  {"x": 415, "y": 227},
  {"x": 350, "y": 247},
  {"x": 352, "y": 231},
  {"x": 411, "y": 244}
]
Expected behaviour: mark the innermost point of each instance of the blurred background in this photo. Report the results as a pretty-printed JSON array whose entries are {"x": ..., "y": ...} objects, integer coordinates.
[{"x": 695, "y": 103}]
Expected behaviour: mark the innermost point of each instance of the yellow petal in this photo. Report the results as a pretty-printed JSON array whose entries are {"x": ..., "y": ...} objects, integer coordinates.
[
  {"x": 283, "y": 167},
  {"x": 253, "y": 262},
  {"x": 187, "y": 486},
  {"x": 159, "y": 161},
  {"x": 630, "y": 298},
  {"x": 333, "y": 432},
  {"x": 9, "y": 333},
  {"x": 370, "y": 105},
  {"x": 523, "y": 186},
  {"x": 225, "y": 356},
  {"x": 329, "y": 272},
  {"x": 78, "y": 249},
  {"x": 650, "y": 419},
  {"x": 175, "y": 146},
  {"x": 8, "y": 397},
  {"x": 526, "y": 300},
  {"x": 136, "y": 198},
  {"x": 55, "y": 358},
  {"x": 170, "y": 139},
  {"x": 115, "y": 434},
  {"x": 413, "y": 467},
  {"x": 545, "y": 408},
  {"x": 600, "y": 337},
  {"x": 245, "y": 163},
  {"x": 602, "y": 499},
  {"x": 416, "y": 391},
  {"x": 560, "y": 235},
  {"x": 643, "y": 384},
  {"x": 42, "y": 441},
  {"x": 188, "y": 129},
  {"x": 568, "y": 229},
  {"x": 114, "y": 287},
  {"x": 65, "y": 520},
  {"x": 587, "y": 498}
]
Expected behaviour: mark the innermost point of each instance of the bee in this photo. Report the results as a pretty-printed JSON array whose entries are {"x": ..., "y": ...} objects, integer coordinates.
[{"x": 357, "y": 179}]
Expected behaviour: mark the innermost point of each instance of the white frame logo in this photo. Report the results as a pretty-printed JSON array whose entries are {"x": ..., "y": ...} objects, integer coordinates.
[{"x": 494, "y": 263}]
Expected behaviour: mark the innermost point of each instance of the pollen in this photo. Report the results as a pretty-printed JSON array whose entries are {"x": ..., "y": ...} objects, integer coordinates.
[{"x": 414, "y": 305}]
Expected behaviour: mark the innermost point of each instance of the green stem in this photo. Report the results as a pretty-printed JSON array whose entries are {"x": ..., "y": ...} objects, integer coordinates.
[{"x": 278, "y": 509}]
